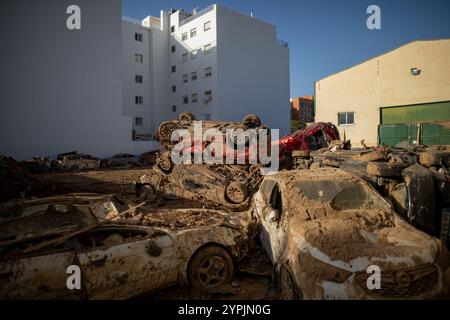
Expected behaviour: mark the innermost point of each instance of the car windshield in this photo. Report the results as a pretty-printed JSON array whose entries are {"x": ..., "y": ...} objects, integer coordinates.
[{"x": 342, "y": 194}]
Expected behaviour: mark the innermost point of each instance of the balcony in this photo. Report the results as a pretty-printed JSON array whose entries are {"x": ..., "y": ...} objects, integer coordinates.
[{"x": 282, "y": 43}]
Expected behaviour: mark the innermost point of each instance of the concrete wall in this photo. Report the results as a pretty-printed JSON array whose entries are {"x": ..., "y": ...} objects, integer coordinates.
[
  {"x": 382, "y": 82},
  {"x": 253, "y": 70},
  {"x": 61, "y": 89}
]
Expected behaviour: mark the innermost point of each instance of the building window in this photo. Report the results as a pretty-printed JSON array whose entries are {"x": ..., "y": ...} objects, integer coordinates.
[
  {"x": 194, "y": 54},
  {"x": 138, "y": 78},
  {"x": 138, "y": 36},
  {"x": 185, "y": 99},
  {"x": 194, "y": 97},
  {"x": 184, "y": 36},
  {"x": 207, "y": 48},
  {"x": 193, "y": 32},
  {"x": 138, "y": 58},
  {"x": 138, "y": 99},
  {"x": 207, "y": 26},
  {"x": 185, "y": 78},
  {"x": 174, "y": 108},
  {"x": 138, "y": 121},
  {"x": 174, "y": 88},
  {"x": 174, "y": 68},
  {"x": 208, "y": 96},
  {"x": 172, "y": 29},
  {"x": 208, "y": 72},
  {"x": 184, "y": 57},
  {"x": 194, "y": 76},
  {"x": 346, "y": 118},
  {"x": 173, "y": 48}
]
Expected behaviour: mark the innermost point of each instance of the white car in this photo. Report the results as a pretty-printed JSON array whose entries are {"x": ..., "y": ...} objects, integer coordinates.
[
  {"x": 327, "y": 232},
  {"x": 118, "y": 259}
]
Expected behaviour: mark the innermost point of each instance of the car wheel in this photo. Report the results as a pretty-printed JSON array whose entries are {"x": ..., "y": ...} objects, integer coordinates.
[
  {"x": 236, "y": 192},
  {"x": 385, "y": 169},
  {"x": 147, "y": 193},
  {"x": 252, "y": 121},
  {"x": 164, "y": 162},
  {"x": 186, "y": 117},
  {"x": 288, "y": 287},
  {"x": 210, "y": 267},
  {"x": 164, "y": 132}
]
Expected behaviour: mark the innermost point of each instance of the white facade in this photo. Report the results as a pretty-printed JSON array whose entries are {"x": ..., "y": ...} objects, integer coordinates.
[
  {"x": 62, "y": 89},
  {"x": 93, "y": 89},
  {"x": 217, "y": 63}
]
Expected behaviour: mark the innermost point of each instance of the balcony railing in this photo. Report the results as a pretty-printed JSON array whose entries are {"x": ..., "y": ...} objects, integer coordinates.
[
  {"x": 198, "y": 14},
  {"x": 282, "y": 43}
]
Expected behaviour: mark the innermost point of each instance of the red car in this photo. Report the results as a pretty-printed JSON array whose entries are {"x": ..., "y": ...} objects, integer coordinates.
[{"x": 313, "y": 137}]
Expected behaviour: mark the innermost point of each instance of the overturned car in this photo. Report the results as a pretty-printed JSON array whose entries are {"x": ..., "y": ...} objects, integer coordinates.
[
  {"x": 325, "y": 230},
  {"x": 120, "y": 254},
  {"x": 228, "y": 186}
]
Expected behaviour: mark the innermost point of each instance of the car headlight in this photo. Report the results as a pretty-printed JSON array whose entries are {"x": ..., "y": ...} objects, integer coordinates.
[{"x": 323, "y": 271}]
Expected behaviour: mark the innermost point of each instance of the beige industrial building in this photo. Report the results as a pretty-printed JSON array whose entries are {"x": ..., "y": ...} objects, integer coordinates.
[{"x": 390, "y": 96}]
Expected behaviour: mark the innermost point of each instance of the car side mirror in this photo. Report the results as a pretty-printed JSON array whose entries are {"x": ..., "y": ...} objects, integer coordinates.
[{"x": 274, "y": 215}]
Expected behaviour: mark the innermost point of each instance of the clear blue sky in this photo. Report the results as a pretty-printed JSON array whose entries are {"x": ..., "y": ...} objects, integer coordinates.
[{"x": 326, "y": 36}]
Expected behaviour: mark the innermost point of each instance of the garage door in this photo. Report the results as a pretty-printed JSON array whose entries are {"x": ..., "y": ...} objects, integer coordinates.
[{"x": 400, "y": 124}]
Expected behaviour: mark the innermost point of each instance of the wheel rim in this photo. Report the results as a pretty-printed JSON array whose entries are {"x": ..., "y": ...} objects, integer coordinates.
[
  {"x": 164, "y": 162},
  {"x": 235, "y": 194},
  {"x": 213, "y": 272},
  {"x": 165, "y": 130}
]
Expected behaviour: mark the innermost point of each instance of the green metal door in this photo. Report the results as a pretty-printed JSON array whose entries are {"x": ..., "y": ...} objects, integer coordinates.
[
  {"x": 400, "y": 124},
  {"x": 428, "y": 112}
]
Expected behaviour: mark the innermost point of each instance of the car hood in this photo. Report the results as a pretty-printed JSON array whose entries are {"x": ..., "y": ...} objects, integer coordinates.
[{"x": 355, "y": 240}]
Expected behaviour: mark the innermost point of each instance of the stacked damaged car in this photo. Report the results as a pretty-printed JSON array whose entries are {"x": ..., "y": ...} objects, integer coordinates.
[
  {"x": 332, "y": 223},
  {"x": 218, "y": 185}
]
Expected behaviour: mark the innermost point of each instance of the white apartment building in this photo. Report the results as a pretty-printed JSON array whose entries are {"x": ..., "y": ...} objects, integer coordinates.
[
  {"x": 217, "y": 63},
  {"x": 105, "y": 88}
]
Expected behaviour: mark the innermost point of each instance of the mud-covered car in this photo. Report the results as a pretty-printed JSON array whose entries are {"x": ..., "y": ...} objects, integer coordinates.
[
  {"x": 121, "y": 160},
  {"x": 325, "y": 229},
  {"x": 230, "y": 186},
  {"x": 73, "y": 161},
  {"x": 313, "y": 137},
  {"x": 415, "y": 179},
  {"x": 119, "y": 256}
]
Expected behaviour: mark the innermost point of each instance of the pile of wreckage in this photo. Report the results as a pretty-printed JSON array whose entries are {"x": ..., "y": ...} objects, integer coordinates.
[
  {"x": 75, "y": 162},
  {"x": 323, "y": 222}
]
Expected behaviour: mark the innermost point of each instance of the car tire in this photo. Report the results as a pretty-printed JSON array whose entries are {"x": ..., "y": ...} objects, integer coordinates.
[
  {"x": 252, "y": 121},
  {"x": 370, "y": 156},
  {"x": 433, "y": 158},
  {"x": 210, "y": 267},
  {"x": 164, "y": 162},
  {"x": 385, "y": 169},
  {"x": 186, "y": 117},
  {"x": 236, "y": 192},
  {"x": 164, "y": 133},
  {"x": 287, "y": 286},
  {"x": 147, "y": 193}
]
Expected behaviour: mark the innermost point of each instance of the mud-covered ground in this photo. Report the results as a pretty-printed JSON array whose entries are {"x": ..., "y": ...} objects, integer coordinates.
[{"x": 255, "y": 285}]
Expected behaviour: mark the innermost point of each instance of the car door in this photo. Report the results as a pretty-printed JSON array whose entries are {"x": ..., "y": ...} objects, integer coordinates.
[
  {"x": 41, "y": 275},
  {"x": 271, "y": 214},
  {"x": 121, "y": 262}
]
